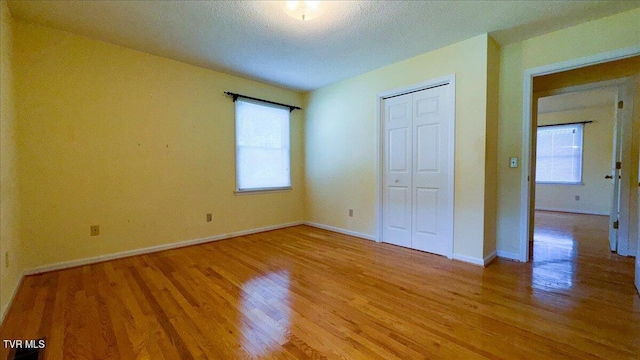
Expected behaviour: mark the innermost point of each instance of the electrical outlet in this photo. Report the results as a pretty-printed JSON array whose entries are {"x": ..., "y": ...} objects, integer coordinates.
[
  {"x": 351, "y": 212},
  {"x": 577, "y": 197},
  {"x": 209, "y": 217},
  {"x": 95, "y": 230},
  {"x": 6, "y": 259}
]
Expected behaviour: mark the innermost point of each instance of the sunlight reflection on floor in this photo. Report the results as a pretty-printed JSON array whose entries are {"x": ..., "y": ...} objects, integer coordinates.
[
  {"x": 265, "y": 313},
  {"x": 554, "y": 254}
]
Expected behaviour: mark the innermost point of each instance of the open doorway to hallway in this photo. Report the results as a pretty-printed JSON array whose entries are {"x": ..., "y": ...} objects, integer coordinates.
[
  {"x": 575, "y": 192},
  {"x": 583, "y": 186}
]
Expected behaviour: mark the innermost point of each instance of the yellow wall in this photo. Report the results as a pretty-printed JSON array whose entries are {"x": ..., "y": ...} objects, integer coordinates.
[
  {"x": 341, "y": 142},
  {"x": 141, "y": 145},
  {"x": 11, "y": 271},
  {"x": 596, "y": 191},
  {"x": 602, "y": 35}
]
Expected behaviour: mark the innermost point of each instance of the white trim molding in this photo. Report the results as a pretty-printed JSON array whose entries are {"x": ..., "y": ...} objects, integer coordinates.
[
  {"x": 489, "y": 258},
  {"x": 12, "y": 297},
  {"x": 508, "y": 255},
  {"x": 527, "y": 105},
  {"x": 341, "y": 231},
  {"x": 153, "y": 249},
  {"x": 475, "y": 261}
]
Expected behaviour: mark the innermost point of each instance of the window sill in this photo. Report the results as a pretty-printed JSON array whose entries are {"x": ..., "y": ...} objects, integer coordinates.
[
  {"x": 262, "y": 191},
  {"x": 563, "y": 184}
]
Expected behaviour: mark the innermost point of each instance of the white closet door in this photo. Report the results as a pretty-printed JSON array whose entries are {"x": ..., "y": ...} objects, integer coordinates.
[
  {"x": 432, "y": 220},
  {"x": 397, "y": 170},
  {"x": 417, "y": 175}
]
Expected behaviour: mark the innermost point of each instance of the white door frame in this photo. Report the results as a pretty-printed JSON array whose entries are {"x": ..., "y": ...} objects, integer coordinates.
[
  {"x": 637, "y": 267},
  {"x": 527, "y": 104},
  {"x": 445, "y": 80}
]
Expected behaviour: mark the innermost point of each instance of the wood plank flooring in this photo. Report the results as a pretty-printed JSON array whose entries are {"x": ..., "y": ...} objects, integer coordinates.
[{"x": 302, "y": 292}]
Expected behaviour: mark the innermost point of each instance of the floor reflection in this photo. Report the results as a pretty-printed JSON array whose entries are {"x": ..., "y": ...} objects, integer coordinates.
[
  {"x": 265, "y": 313},
  {"x": 554, "y": 253}
]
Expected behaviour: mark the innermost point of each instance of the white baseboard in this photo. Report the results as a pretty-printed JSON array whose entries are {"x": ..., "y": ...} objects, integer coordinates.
[
  {"x": 152, "y": 249},
  {"x": 508, "y": 255},
  {"x": 575, "y": 211},
  {"x": 12, "y": 296},
  {"x": 489, "y": 258},
  {"x": 475, "y": 261},
  {"x": 341, "y": 231}
]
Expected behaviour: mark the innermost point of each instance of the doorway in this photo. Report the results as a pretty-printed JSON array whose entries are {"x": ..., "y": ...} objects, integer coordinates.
[
  {"x": 621, "y": 70},
  {"x": 417, "y": 163},
  {"x": 614, "y": 70},
  {"x": 578, "y": 141},
  {"x": 575, "y": 191}
]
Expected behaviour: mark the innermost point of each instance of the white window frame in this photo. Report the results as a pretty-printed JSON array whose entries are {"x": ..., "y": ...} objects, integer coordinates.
[
  {"x": 240, "y": 191},
  {"x": 580, "y": 180}
]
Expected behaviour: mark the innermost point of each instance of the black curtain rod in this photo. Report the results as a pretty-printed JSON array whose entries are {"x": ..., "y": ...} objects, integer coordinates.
[
  {"x": 571, "y": 123},
  {"x": 236, "y": 96}
]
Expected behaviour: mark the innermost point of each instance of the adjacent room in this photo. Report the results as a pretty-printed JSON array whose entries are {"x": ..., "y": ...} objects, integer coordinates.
[
  {"x": 575, "y": 190},
  {"x": 583, "y": 199},
  {"x": 319, "y": 179}
]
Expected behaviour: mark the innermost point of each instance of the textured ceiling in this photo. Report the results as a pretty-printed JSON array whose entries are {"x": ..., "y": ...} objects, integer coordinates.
[
  {"x": 579, "y": 100},
  {"x": 256, "y": 39}
]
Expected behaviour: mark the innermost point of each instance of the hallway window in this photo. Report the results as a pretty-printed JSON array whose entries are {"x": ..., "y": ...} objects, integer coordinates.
[{"x": 559, "y": 154}]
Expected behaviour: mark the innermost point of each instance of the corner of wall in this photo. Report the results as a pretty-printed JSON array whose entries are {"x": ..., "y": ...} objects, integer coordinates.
[
  {"x": 305, "y": 192},
  {"x": 491, "y": 147},
  {"x": 11, "y": 264}
]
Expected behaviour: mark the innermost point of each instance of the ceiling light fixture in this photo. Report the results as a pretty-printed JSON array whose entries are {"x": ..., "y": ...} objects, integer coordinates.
[{"x": 303, "y": 10}]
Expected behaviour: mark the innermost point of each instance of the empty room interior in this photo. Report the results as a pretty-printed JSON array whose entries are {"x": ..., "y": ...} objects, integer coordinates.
[{"x": 319, "y": 179}]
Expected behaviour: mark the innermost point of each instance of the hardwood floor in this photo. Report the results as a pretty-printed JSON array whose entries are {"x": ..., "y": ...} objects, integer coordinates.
[{"x": 302, "y": 292}]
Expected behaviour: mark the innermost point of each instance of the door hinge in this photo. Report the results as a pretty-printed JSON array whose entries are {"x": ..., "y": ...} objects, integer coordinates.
[
  {"x": 616, "y": 224},
  {"x": 618, "y": 165},
  {"x": 620, "y": 104}
]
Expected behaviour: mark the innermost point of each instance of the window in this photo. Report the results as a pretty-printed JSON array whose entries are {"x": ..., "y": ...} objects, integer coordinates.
[
  {"x": 262, "y": 146},
  {"x": 559, "y": 154}
]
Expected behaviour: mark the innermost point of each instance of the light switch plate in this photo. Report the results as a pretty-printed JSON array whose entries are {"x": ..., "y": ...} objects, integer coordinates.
[{"x": 513, "y": 162}]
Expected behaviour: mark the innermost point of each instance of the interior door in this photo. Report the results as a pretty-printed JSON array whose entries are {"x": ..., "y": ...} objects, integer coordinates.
[
  {"x": 638, "y": 260},
  {"x": 638, "y": 242},
  {"x": 615, "y": 180},
  {"x": 396, "y": 227},
  {"x": 417, "y": 175},
  {"x": 626, "y": 245},
  {"x": 432, "y": 223}
]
